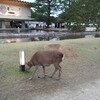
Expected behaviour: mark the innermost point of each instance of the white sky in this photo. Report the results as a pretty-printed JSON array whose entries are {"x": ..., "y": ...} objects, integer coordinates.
[{"x": 28, "y": 0}]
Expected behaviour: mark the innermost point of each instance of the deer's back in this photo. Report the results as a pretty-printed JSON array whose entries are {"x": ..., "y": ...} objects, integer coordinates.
[{"x": 47, "y": 57}]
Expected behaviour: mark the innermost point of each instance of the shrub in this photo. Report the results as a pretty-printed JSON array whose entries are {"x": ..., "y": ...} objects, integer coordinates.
[
  {"x": 72, "y": 37},
  {"x": 77, "y": 28},
  {"x": 97, "y": 35}
]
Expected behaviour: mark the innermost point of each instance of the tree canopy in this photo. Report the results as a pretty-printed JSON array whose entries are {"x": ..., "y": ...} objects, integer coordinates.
[
  {"x": 73, "y": 11},
  {"x": 44, "y": 10},
  {"x": 83, "y": 11}
]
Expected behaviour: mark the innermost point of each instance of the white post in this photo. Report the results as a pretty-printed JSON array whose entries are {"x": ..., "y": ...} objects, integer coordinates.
[
  {"x": 3, "y": 25},
  {"x": 23, "y": 24},
  {"x": 18, "y": 30},
  {"x": 22, "y": 60}
]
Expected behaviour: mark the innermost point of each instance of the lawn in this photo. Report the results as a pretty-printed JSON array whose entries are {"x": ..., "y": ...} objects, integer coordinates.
[{"x": 80, "y": 66}]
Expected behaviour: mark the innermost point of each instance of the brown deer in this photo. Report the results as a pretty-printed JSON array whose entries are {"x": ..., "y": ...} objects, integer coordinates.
[{"x": 46, "y": 58}]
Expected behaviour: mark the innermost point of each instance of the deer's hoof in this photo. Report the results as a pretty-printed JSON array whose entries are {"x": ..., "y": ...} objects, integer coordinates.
[
  {"x": 57, "y": 79},
  {"x": 30, "y": 78},
  {"x": 39, "y": 77},
  {"x": 50, "y": 76}
]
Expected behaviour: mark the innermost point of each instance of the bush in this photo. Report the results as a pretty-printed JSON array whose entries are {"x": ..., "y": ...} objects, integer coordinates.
[
  {"x": 97, "y": 35},
  {"x": 77, "y": 28},
  {"x": 72, "y": 37},
  {"x": 33, "y": 39},
  {"x": 38, "y": 38}
]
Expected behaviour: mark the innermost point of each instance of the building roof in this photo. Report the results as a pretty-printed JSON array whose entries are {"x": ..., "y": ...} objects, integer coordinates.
[
  {"x": 20, "y": 1},
  {"x": 16, "y": 3}
]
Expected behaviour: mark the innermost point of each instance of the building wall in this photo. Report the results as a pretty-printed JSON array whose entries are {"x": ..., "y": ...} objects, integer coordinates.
[{"x": 14, "y": 12}]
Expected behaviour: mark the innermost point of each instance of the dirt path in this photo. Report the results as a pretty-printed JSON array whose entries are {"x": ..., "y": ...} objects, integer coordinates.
[{"x": 79, "y": 84}]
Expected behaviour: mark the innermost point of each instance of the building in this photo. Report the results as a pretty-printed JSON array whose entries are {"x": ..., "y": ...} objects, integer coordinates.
[{"x": 14, "y": 13}]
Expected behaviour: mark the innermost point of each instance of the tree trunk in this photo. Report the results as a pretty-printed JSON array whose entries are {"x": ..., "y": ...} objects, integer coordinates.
[{"x": 48, "y": 16}]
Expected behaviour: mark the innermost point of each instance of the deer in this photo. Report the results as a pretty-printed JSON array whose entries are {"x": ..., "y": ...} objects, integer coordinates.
[{"x": 46, "y": 58}]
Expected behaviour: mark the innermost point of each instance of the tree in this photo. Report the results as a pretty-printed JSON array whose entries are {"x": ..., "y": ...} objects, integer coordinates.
[
  {"x": 82, "y": 11},
  {"x": 45, "y": 9}
]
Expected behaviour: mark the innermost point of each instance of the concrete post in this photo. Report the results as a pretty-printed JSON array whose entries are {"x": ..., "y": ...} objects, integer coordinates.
[
  {"x": 23, "y": 24},
  {"x": 3, "y": 25}
]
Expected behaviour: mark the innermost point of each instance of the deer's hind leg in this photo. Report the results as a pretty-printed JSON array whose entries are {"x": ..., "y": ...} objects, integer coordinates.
[{"x": 57, "y": 67}]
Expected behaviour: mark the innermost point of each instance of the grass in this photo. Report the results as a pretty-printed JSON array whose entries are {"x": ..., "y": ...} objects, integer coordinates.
[
  {"x": 88, "y": 51},
  {"x": 9, "y": 58}
]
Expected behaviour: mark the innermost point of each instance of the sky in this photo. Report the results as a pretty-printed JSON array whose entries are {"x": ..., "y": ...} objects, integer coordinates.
[{"x": 28, "y": 0}]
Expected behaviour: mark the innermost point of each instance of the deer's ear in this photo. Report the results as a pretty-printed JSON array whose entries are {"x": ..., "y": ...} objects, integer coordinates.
[{"x": 29, "y": 64}]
